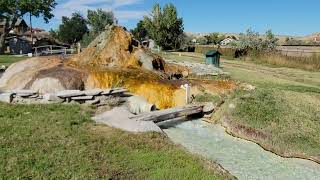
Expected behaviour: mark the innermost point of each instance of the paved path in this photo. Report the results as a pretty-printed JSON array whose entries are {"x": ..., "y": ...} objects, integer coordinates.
[{"x": 243, "y": 159}]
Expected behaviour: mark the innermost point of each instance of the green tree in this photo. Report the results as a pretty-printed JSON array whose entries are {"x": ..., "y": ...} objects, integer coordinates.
[
  {"x": 99, "y": 19},
  {"x": 252, "y": 42},
  {"x": 164, "y": 26},
  {"x": 12, "y": 10},
  {"x": 72, "y": 29},
  {"x": 140, "y": 32},
  {"x": 271, "y": 41}
]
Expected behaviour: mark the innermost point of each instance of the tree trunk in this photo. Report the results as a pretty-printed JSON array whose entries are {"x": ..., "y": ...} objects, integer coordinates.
[
  {"x": 7, "y": 27},
  {"x": 2, "y": 42}
]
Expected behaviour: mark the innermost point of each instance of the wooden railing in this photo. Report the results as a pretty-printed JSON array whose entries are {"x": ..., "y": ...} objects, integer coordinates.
[{"x": 52, "y": 49}]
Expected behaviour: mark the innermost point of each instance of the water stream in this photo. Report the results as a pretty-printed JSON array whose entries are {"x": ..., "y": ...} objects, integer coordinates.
[{"x": 243, "y": 159}]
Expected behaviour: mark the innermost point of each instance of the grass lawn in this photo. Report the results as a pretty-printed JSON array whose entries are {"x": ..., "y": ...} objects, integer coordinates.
[
  {"x": 282, "y": 115},
  {"x": 61, "y": 142},
  {"x": 7, "y": 60}
]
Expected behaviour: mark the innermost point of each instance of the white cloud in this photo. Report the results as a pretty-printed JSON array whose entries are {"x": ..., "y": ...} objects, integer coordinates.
[{"x": 68, "y": 7}]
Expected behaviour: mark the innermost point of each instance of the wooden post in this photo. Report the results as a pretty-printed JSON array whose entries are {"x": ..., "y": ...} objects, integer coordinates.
[
  {"x": 79, "y": 48},
  {"x": 51, "y": 49}
]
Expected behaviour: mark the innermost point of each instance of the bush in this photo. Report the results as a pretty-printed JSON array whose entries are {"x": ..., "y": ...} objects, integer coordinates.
[{"x": 228, "y": 52}]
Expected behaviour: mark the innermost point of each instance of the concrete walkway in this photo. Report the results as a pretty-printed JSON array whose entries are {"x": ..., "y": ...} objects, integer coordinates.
[{"x": 243, "y": 159}]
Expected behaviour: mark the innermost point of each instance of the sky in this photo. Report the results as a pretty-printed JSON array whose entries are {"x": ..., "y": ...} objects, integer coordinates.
[{"x": 284, "y": 17}]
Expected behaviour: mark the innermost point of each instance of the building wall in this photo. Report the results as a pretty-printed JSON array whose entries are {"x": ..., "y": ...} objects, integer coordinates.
[{"x": 18, "y": 46}]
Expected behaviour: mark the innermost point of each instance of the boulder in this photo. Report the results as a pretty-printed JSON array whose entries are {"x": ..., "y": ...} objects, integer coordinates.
[
  {"x": 208, "y": 108},
  {"x": 42, "y": 74}
]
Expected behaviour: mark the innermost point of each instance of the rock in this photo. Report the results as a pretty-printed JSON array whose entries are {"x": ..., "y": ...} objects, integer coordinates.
[
  {"x": 93, "y": 102},
  {"x": 52, "y": 97},
  {"x": 118, "y": 91},
  {"x": 47, "y": 85},
  {"x": 208, "y": 108},
  {"x": 6, "y": 97},
  {"x": 93, "y": 92},
  {"x": 119, "y": 118},
  {"x": 24, "y": 93},
  {"x": 106, "y": 92},
  {"x": 69, "y": 93},
  {"x": 34, "y": 96},
  {"x": 232, "y": 106},
  {"x": 82, "y": 98},
  {"x": 42, "y": 74},
  {"x": 247, "y": 87}
]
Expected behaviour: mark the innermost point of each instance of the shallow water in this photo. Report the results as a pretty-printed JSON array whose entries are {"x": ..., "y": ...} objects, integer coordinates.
[{"x": 243, "y": 159}]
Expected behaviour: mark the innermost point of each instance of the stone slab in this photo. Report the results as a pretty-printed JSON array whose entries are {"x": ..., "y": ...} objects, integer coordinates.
[
  {"x": 69, "y": 93},
  {"x": 52, "y": 97},
  {"x": 82, "y": 98},
  {"x": 119, "y": 118},
  {"x": 93, "y": 102},
  {"x": 93, "y": 92},
  {"x": 24, "y": 92}
]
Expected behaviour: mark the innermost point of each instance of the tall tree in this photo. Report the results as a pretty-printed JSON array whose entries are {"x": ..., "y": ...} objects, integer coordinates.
[
  {"x": 164, "y": 26},
  {"x": 99, "y": 19},
  {"x": 72, "y": 29},
  {"x": 12, "y": 10},
  {"x": 140, "y": 32}
]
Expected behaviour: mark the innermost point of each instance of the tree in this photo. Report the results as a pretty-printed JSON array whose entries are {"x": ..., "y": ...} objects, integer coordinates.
[
  {"x": 140, "y": 32},
  {"x": 72, "y": 29},
  {"x": 251, "y": 42},
  {"x": 99, "y": 19},
  {"x": 164, "y": 26},
  {"x": 271, "y": 41},
  {"x": 12, "y": 10}
]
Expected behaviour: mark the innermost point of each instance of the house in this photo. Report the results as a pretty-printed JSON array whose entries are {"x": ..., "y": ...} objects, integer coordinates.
[
  {"x": 317, "y": 40},
  {"x": 19, "y": 28},
  {"x": 18, "y": 45},
  {"x": 227, "y": 41}
]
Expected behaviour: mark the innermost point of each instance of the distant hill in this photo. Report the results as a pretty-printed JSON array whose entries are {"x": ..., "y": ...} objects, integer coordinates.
[{"x": 282, "y": 38}]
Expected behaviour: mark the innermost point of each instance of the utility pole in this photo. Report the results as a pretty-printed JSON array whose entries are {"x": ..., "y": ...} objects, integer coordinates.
[{"x": 31, "y": 30}]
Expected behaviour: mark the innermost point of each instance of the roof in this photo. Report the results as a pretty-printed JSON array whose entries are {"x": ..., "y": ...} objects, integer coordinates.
[
  {"x": 212, "y": 53},
  {"x": 19, "y": 21}
]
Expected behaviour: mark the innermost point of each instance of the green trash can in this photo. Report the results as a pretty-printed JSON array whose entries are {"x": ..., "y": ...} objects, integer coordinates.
[{"x": 213, "y": 58}]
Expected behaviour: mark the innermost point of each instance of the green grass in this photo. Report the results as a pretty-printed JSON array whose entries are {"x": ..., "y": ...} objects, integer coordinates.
[
  {"x": 61, "y": 142},
  {"x": 7, "y": 60},
  {"x": 206, "y": 97},
  {"x": 289, "y": 119},
  {"x": 285, "y": 108}
]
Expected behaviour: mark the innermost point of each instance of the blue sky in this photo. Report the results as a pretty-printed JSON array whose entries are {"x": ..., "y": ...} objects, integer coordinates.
[{"x": 286, "y": 17}]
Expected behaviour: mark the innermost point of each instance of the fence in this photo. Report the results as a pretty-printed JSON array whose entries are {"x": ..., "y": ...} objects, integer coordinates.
[
  {"x": 52, "y": 49},
  {"x": 299, "y": 51}
]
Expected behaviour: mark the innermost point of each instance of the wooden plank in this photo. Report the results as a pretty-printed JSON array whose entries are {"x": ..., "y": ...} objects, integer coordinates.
[{"x": 167, "y": 114}]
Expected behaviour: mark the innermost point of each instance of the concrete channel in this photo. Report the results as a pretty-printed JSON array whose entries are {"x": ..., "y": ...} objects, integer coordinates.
[{"x": 243, "y": 159}]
